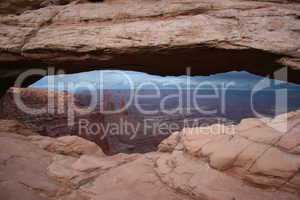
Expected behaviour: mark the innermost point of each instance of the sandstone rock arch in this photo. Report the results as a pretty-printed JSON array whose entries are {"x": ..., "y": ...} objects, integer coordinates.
[{"x": 162, "y": 37}]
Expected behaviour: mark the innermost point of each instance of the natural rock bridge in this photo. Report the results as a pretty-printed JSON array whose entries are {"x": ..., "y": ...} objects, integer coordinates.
[{"x": 161, "y": 37}]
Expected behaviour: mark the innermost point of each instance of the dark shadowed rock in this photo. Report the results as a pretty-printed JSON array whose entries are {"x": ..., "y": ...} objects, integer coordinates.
[{"x": 60, "y": 117}]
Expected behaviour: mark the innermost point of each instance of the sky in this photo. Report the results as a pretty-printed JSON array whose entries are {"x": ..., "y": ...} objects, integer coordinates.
[{"x": 120, "y": 79}]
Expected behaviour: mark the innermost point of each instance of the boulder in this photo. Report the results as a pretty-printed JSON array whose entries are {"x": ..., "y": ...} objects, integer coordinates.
[
  {"x": 227, "y": 154},
  {"x": 68, "y": 145},
  {"x": 276, "y": 163},
  {"x": 169, "y": 144}
]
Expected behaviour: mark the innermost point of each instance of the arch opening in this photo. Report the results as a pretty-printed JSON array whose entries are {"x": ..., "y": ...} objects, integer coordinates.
[{"x": 133, "y": 111}]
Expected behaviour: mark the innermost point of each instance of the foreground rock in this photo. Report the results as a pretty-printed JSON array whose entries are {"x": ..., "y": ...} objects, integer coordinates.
[
  {"x": 236, "y": 159},
  {"x": 77, "y": 172},
  {"x": 192, "y": 164},
  {"x": 23, "y": 168}
]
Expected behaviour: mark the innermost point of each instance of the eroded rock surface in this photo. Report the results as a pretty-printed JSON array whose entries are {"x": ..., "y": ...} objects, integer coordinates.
[
  {"x": 196, "y": 163},
  {"x": 251, "y": 152},
  {"x": 154, "y": 36},
  {"x": 32, "y": 170}
]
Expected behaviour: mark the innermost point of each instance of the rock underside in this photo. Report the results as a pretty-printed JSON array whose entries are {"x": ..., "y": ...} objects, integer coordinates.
[
  {"x": 161, "y": 37},
  {"x": 252, "y": 160}
]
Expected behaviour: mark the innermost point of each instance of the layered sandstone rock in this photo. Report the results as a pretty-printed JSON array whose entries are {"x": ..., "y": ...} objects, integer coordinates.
[
  {"x": 67, "y": 145},
  {"x": 30, "y": 172},
  {"x": 154, "y": 36},
  {"x": 199, "y": 163},
  {"x": 256, "y": 153}
]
